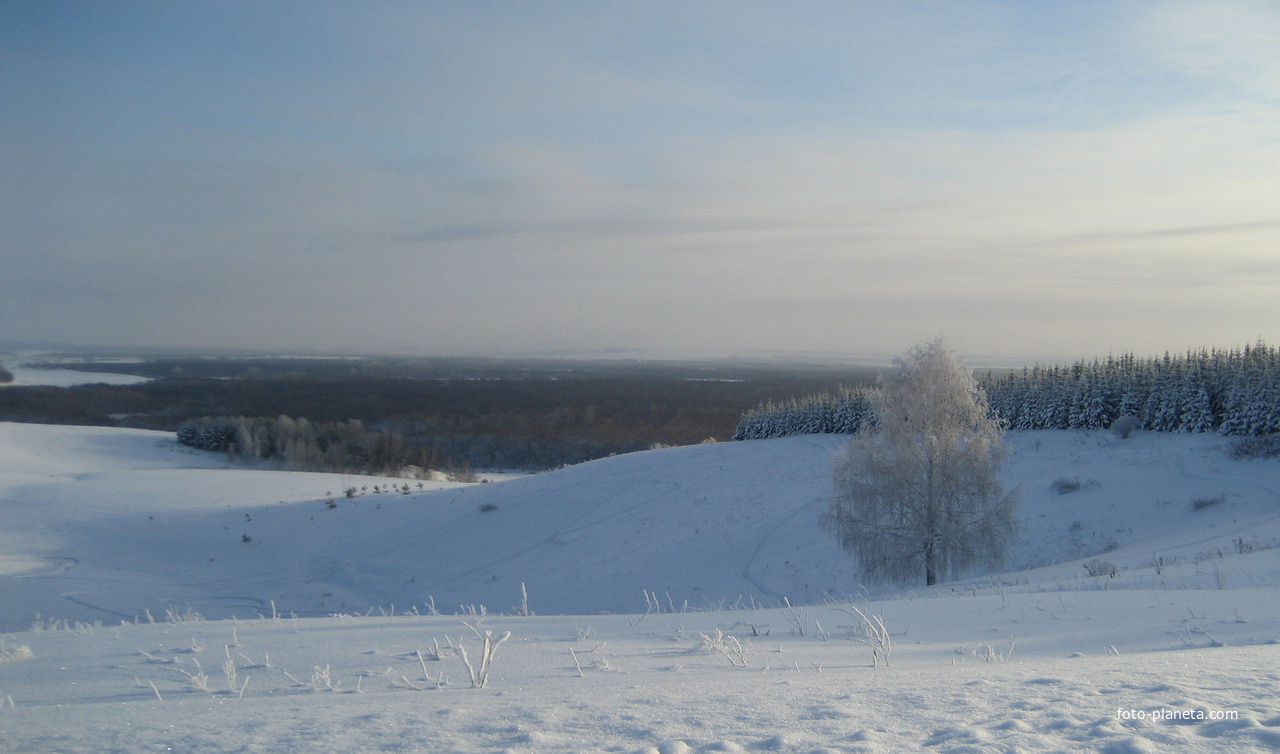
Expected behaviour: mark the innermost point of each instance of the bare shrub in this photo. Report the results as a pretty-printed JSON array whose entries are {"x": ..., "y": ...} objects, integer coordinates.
[
  {"x": 728, "y": 646},
  {"x": 1203, "y": 503},
  {"x": 465, "y": 474},
  {"x": 871, "y": 631},
  {"x": 1062, "y": 485},
  {"x": 1125, "y": 425},
  {"x": 488, "y": 649},
  {"x": 1266, "y": 446},
  {"x": 1100, "y": 567}
]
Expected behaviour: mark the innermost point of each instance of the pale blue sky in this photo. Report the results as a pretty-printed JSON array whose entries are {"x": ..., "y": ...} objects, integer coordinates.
[{"x": 1030, "y": 179}]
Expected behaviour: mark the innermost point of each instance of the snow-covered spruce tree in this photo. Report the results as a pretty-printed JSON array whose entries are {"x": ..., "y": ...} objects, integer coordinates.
[
  {"x": 822, "y": 413},
  {"x": 917, "y": 492}
]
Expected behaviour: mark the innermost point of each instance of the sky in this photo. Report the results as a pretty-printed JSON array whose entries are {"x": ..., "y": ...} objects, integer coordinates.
[{"x": 1031, "y": 180}]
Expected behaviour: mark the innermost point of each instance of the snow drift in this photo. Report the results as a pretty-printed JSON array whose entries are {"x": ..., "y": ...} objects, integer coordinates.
[{"x": 104, "y": 531}]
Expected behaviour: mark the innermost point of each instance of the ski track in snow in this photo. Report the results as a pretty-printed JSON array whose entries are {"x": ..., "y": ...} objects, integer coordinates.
[
  {"x": 110, "y": 525},
  {"x": 755, "y": 552}
]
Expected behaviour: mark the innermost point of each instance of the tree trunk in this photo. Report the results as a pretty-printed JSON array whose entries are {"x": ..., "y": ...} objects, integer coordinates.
[
  {"x": 930, "y": 565},
  {"x": 932, "y": 545}
]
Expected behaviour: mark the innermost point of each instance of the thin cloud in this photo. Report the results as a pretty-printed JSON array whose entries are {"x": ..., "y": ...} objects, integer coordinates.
[{"x": 498, "y": 177}]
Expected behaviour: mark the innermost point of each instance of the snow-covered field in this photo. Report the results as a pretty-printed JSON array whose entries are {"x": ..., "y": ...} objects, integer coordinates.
[{"x": 154, "y": 599}]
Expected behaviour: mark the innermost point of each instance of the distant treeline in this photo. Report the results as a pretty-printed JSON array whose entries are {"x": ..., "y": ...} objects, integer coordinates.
[
  {"x": 301, "y": 445},
  {"x": 1230, "y": 391},
  {"x": 477, "y": 413}
]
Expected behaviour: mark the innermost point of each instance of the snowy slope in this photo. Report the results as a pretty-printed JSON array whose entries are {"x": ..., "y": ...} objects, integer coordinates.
[
  {"x": 106, "y": 526},
  {"x": 706, "y": 524},
  {"x": 126, "y": 524}
]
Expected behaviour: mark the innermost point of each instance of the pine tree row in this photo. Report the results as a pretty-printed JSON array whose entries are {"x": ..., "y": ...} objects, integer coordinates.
[
  {"x": 1233, "y": 392},
  {"x": 822, "y": 413}
]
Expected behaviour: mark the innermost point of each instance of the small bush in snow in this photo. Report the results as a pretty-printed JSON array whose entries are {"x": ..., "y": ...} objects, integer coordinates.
[
  {"x": 988, "y": 653},
  {"x": 1161, "y": 562},
  {"x": 799, "y": 619},
  {"x": 1201, "y": 503},
  {"x": 871, "y": 630},
  {"x": 1266, "y": 446},
  {"x": 1062, "y": 485},
  {"x": 729, "y": 646},
  {"x": 197, "y": 679},
  {"x": 1125, "y": 425},
  {"x": 1100, "y": 567},
  {"x": 488, "y": 648}
]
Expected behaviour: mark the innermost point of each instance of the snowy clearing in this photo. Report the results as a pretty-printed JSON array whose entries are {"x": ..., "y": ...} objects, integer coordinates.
[
  {"x": 26, "y": 375},
  {"x": 185, "y": 605}
]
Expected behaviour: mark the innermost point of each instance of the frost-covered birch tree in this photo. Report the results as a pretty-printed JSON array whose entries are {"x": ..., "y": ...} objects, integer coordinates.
[{"x": 917, "y": 492}]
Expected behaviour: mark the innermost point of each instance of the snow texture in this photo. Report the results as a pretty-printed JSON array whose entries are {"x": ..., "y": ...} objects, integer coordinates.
[{"x": 187, "y": 606}]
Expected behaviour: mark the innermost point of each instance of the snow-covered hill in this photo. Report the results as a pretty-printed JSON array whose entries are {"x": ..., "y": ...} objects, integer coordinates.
[{"x": 114, "y": 529}]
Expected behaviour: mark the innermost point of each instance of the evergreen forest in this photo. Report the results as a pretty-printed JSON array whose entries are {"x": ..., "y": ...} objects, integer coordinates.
[{"x": 1230, "y": 391}]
